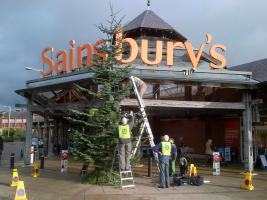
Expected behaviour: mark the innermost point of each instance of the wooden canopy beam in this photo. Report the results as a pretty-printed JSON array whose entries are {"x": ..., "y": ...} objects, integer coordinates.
[{"x": 185, "y": 104}]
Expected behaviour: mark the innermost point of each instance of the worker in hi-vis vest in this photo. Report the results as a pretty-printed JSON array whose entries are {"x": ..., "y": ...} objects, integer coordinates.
[
  {"x": 164, "y": 150},
  {"x": 125, "y": 141},
  {"x": 141, "y": 86}
]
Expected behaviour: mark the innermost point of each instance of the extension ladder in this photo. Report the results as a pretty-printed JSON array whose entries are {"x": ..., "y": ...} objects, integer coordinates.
[{"x": 145, "y": 125}]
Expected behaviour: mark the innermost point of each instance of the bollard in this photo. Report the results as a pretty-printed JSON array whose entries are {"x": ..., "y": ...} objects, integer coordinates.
[
  {"x": 35, "y": 156},
  {"x": 35, "y": 171},
  {"x": 21, "y": 154},
  {"x": 12, "y": 160},
  {"x": 149, "y": 172},
  {"x": 42, "y": 162},
  {"x": 149, "y": 164}
]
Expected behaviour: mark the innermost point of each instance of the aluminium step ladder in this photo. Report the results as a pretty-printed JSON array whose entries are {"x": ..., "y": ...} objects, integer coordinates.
[
  {"x": 145, "y": 125},
  {"x": 126, "y": 177},
  {"x": 127, "y": 180}
]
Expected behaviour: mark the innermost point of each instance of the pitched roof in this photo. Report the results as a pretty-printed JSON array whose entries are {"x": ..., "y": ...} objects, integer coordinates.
[
  {"x": 148, "y": 19},
  {"x": 18, "y": 115},
  {"x": 258, "y": 69}
]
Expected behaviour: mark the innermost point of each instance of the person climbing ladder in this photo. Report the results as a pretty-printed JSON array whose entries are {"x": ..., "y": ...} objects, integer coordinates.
[{"x": 141, "y": 86}]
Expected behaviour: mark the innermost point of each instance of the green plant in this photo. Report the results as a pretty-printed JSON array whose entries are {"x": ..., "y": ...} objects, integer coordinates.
[
  {"x": 94, "y": 133},
  {"x": 15, "y": 134}
]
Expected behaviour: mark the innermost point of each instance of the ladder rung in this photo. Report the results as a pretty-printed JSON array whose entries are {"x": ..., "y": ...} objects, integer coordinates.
[
  {"x": 129, "y": 178},
  {"x": 123, "y": 172},
  {"x": 127, "y": 186}
]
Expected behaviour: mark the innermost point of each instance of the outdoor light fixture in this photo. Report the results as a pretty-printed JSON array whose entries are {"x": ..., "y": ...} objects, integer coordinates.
[{"x": 34, "y": 69}]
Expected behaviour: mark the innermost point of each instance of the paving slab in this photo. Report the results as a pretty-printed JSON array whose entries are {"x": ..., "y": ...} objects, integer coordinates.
[{"x": 66, "y": 186}]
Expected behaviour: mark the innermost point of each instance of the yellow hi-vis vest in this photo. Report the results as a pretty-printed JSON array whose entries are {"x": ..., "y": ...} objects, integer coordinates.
[
  {"x": 124, "y": 131},
  {"x": 136, "y": 78},
  {"x": 166, "y": 148},
  {"x": 138, "y": 81}
]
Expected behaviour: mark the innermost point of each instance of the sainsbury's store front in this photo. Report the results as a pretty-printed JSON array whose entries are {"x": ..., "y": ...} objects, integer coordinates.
[{"x": 206, "y": 102}]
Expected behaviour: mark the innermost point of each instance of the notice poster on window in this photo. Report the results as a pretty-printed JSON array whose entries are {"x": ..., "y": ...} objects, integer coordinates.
[{"x": 232, "y": 134}]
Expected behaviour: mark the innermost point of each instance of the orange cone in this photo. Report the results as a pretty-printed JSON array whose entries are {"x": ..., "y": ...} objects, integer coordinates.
[
  {"x": 191, "y": 170},
  {"x": 194, "y": 171},
  {"x": 15, "y": 178},
  {"x": 248, "y": 182},
  {"x": 20, "y": 192}
]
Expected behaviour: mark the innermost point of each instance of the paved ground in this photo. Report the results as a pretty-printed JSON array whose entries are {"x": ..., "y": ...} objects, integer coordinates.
[{"x": 54, "y": 185}]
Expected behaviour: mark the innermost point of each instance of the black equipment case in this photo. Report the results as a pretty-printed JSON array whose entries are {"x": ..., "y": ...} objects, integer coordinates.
[
  {"x": 196, "y": 180},
  {"x": 187, "y": 180}
]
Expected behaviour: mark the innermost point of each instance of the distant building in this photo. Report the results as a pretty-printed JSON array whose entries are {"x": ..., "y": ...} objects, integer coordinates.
[{"x": 17, "y": 119}]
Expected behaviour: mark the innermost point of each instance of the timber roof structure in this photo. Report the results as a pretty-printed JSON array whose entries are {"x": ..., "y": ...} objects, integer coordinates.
[{"x": 217, "y": 78}]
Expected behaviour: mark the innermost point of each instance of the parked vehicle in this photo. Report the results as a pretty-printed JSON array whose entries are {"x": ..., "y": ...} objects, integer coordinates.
[{"x": 35, "y": 141}]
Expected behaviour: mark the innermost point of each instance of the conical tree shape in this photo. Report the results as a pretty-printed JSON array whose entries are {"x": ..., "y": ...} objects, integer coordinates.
[{"x": 95, "y": 131}]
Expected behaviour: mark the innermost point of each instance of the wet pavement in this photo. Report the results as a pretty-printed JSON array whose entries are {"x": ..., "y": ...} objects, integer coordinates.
[{"x": 66, "y": 186}]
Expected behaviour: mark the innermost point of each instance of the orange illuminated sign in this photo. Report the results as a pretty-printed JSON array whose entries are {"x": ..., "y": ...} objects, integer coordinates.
[{"x": 66, "y": 60}]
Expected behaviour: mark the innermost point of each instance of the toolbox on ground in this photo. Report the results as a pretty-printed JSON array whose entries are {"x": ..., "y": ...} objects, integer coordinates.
[{"x": 187, "y": 180}]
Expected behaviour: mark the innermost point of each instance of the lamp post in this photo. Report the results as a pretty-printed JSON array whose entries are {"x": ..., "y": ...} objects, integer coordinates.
[
  {"x": 36, "y": 70},
  {"x": 9, "y": 115}
]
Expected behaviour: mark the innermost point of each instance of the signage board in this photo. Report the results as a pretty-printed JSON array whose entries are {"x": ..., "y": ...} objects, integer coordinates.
[
  {"x": 216, "y": 164},
  {"x": 64, "y": 61},
  {"x": 263, "y": 162},
  {"x": 64, "y": 160}
]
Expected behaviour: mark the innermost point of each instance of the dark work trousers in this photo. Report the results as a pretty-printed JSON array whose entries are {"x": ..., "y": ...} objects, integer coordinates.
[
  {"x": 164, "y": 171},
  {"x": 125, "y": 155}
]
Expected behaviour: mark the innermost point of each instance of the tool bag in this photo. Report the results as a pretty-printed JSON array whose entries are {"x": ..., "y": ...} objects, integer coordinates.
[
  {"x": 178, "y": 179},
  {"x": 196, "y": 180}
]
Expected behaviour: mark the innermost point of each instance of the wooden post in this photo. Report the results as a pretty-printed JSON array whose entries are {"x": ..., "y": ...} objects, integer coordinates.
[
  {"x": 28, "y": 140},
  {"x": 247, "y": 136},
  {"x": 50, "y": 139},
  {"x": 49, "y": 134},
  {"x": 188, "y": 93},
  {"x": 156, "y": 91},
  {"x": 45, "y": 134}
]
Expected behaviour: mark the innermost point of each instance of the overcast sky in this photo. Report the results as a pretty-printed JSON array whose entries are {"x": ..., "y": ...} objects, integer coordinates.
[{"x": 28, "y": 26}]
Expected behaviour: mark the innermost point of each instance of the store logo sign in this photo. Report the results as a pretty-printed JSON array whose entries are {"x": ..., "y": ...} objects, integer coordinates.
[{"x": 65, "y": 61}]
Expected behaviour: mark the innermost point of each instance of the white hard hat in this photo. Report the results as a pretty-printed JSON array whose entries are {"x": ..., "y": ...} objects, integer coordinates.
[
  {"x": 124, "y": 120},
  {"x": 166, "y": 138}
]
